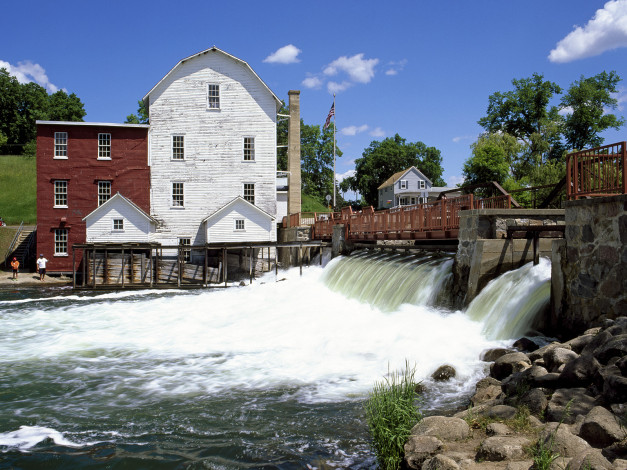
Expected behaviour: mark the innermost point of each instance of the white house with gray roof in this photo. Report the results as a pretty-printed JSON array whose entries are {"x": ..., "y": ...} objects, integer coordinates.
[{"x": 404, "y": 188}]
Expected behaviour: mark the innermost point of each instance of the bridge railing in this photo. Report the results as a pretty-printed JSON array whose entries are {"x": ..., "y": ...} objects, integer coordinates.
[
  {"x": 406, "y": 221},
  {"x": 600, "y": 171}
]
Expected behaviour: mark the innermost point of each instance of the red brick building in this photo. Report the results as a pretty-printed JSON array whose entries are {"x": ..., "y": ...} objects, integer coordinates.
[{"x": 80, "y": 165}]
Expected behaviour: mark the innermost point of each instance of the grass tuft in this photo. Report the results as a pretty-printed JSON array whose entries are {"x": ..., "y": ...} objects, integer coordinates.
[{"x": 392, "y": 413}]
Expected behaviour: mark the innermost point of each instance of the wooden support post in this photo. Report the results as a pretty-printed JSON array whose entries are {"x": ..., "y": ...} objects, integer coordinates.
[
  {"x": 93, "y": 265},
  {"x": 73, "y": 268},
  {"x": 152, "y": 271},
  {"x": 276, "y": 261},
  {"x": 536, "y": 248},
  {"x": 300, "y": 257},
  {"x": 250, "y": 264},
  {"x": 131, "y": 268},
  {"x": 179, "y": 265},
  {"x": 84, "y": 280},
  {"x": 204, "y": 274},
  {"x": 123, "y": 268},
  {"x": 224, "y": 260},
  {"x": 105, "y": 265},
  {"x": 142, "y": 268}
]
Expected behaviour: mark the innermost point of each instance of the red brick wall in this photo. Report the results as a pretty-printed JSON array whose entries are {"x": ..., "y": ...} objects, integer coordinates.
[{"x": 127, "y": 170}]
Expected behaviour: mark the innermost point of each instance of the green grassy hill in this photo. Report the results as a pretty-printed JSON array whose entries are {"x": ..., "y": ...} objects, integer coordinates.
[{"x": 18, "y": 189}]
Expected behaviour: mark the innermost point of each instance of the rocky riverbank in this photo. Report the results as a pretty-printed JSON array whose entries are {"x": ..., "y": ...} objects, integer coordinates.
[{"x": 562, "y": 405}]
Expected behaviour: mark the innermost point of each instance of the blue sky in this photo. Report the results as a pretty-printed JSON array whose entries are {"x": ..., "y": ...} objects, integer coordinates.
[{"x": 422, "y": 69}]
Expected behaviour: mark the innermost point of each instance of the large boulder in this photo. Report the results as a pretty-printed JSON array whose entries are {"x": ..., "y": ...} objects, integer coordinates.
[
  {"x": 519, "y": 383},
  {"x": 577, "y": 344},
  {"x": 492, "y": 355},
  {"x": 535, "y": 400},
  {"x": 420, "y": 448},
  {"x": 499, "y": 448},
  {"x": 567, "y": 403},
  {"x": 591, "y": 459},
  {"x": 539, "y": 353},
  {"x": 486, "y": 394},
  {"x": 562, "y": 441},
  {"x": 440, "y": 462},
  {"x": 443, "y": 373},
  {"x": 580, "y": 372},
  {"x": 601, "y": 428},
  {"x": 446, "y": 429},
  {"x": 614, "y": 389},
  {"x": 614, "y": 347},
  {"x": 556, "y": 357},
  {"x": 508, "y": 364}
]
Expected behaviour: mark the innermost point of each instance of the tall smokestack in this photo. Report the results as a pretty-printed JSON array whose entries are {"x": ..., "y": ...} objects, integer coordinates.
[{"x": 293, "y": 153}]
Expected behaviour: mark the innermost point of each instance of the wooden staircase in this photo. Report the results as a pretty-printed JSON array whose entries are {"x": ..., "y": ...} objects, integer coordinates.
[{"x": 22, "y": 248}]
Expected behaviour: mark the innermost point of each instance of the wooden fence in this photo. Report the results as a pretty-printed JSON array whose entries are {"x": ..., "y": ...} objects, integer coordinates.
[{"x": 597, "y": 172}]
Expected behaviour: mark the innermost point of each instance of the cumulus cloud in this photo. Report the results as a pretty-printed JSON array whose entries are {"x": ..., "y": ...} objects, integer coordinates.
[
  {"x": 453, "y": 181},
  {"x": 358, "y": 69},
  {"x": 339, "y": 177},
  {"x": 353, "y": 130},
  {"x": 26, "y": 72},
  {"x": 312, "y": 82},
  {"x": 607, "y": 30},
  {"x": 461, "y": 138},
  {"x": 285, "y": 55},
  {"x": 377, "y": 132},
  {"x": 335, "y": 87},
  {"x": 396, "y": 67}
]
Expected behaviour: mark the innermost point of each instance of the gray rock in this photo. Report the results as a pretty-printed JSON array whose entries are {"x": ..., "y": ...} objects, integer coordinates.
[
  {"x": 580, "y": 372},
  {"x": 616, "y": 451},
  {"x": 508, "y": 364},
  {"x": 601, "y": 428},
  {"x": 535, "y": 401},
  {"x": 615, "y": 389},
  {"x": 499, "y": 448},
  {"x": 440, "y": 462},
  {"x": 580, "y": 403},
  {"x": 443, "y": 373},
  {"x": 498, "y": 429},
  {"x": 550, "y": 380},
  {"x": 591, "y": 459},
  {"x": 501, "y": 412},
  {"x": 486, "y": 394},
  {"x": 599, "y": 340},
  {"x": 449, "y": 429},
  {"x": 486, "y": 382},
  {"x": 577, "y": 344},
  {"x": 562, "y": 440},
  {"x": 526, "y": 345},
  {"x": 420, "y": 448},
  {"x": 556, "y": 357},
  {"x": 539, "y": 353},
  {"x": 492, "y": 355},
  {"x": 619, "y": 464},
  {"x": 614, "y": 347},
  {"x": 519, "y": 383},
  {"x": 519, "y": 465}
]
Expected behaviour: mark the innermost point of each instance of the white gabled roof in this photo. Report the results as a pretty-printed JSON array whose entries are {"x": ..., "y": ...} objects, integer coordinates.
[
  {"x": 397, "y": 176},
  {"x": 237, "y": 200},
  {"x": 122, "y": 198},
  {"x": 214, "y": 49}
]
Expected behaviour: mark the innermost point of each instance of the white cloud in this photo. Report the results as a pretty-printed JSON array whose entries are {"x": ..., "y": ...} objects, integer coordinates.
[
  {"x": 621, "y": 98},
  {"x": 26, "y": 72},
  {"x": 312, "y": 82},
  {"x": 453, "y": 181},
  {"x": 377, "y": 132},
  {"x": 607, "y": 30},
  {"x": 339, "y": 177},
  {"x": 285, "y": 55},
  {"x": 359, "y": 70},
  {"x": 396, "y": 67},
  {"x": 566, "y": 110},
  {"x": 460, "y": 138},
  {"x": 335, "y": 87},
  {"x": 353, "y": 130}
]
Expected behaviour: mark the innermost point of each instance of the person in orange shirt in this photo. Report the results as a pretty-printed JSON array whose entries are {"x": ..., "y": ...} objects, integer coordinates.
[{"x": 15, "y": 264}]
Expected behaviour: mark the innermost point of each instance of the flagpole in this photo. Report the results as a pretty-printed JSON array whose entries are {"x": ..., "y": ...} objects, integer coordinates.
[{"x": 334, "y": 127}]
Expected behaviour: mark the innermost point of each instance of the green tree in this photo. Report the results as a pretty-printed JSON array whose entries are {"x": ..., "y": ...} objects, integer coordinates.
[
  {"x": 33, "y": 105},
  {"x": 9, "y": 109},
  {"x": 588, "y": 99},
  {"x": 64, "y": 107},
  {"x": 391, "y": 155},
  {"x": 489, "y": 162},
  {"x": 316, "y": 150},
  {"x": 281, "y": 138},
  {"x": 142, "y": 114}
]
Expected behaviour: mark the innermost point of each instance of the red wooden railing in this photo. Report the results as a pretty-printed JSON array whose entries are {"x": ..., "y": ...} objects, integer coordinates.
[
  {"x": 439, "y": 219},
  {"x": 597, "y": 172}
]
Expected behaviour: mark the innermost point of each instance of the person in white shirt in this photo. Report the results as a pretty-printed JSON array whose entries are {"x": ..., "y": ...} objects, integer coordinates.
[{"x": 41, "y": 266}]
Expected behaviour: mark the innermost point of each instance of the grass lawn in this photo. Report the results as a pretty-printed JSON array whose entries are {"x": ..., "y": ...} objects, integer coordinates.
[
  {"x": 18, "y": 189},
  {"x": 309, "y": 204}
]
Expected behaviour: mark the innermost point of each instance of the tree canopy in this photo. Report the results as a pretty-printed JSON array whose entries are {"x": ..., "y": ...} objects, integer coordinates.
[
  {"x": 142, "y": 114},
  {"x": 23, "y": 104},
  {"x": 384, "y": 158}
]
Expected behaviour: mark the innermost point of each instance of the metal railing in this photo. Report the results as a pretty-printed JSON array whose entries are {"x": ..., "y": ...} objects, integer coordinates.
[
  {"x": 13, "y": 242},
  {"x": 597, "y": 172}
]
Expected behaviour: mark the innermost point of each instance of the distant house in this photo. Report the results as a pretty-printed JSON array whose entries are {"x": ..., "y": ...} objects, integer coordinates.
[
  {"x": 404, "y": 188},
  {"x": 80, "y": 165}
]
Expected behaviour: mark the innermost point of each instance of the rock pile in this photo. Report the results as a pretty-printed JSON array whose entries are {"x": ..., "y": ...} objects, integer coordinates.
[{"x": 572, "y": 397}]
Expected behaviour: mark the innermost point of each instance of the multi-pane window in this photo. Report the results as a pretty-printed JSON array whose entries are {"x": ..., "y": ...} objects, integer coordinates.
[
  {"x": 178, "y": 147},
  {"x": 187, "y": 253},
  {"x": 239, "y": 224},
  {"x": 104, "y": 146},
  {"x": 60, "y": 193},
  {"x": 249, "y": 192},
  {"x": 403, "y": 184},
  {"x": 60, "y": 145},
  {"x": 60, "y": 241},
  {"x": 213, "y": 96},
  {"x": 422, "y": 184},
  {"x": 249, "y": 149},
  {"x": 177, "y": 195},
  {"x": 104, "y": 192},
  {"x": 118, "y": 224}
]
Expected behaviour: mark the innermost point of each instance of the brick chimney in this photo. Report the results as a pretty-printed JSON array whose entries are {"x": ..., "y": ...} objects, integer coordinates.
[{"x": 293, "y": 153}]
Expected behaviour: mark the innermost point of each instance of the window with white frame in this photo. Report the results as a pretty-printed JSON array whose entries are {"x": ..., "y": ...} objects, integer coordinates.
[
  {"x": 403, "y": 184},
  {"x": 118, "y": 225},
  {"x": 186, "y": 253},
  {"x": 60, "y": 241},
  {"x": 104, "y": 146},
  {"x": 178, "y": 147},
  {"x": 213, "y": 96},
  {"x": 104, "y": 192},
  {"x": 239, "y": 224},
  {"x": 249, "y": 149},
  {"x": 421, "y": 184},
  {"x": 60, "y": 193},
  {"x": 60, "y": 145},
  {"x": 249, "y": 192},
  {"x": 178, "y": 195}
]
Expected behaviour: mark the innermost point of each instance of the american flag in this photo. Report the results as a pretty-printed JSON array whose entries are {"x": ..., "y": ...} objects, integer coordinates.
[{"x": 331, "y": 114}]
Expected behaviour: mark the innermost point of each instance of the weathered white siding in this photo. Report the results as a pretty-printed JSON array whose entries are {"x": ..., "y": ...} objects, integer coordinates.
[
  {"x": 257, "y": 226},
  {"x": 213, "y": 171},
  {"x": 99, "y": 225}
]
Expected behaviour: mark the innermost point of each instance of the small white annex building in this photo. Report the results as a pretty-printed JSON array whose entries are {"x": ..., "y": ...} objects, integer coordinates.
[
  {"x": 404, "y": 188},
  {"x": 118, "y": 220},
  {"x": 212, "y": 148}
]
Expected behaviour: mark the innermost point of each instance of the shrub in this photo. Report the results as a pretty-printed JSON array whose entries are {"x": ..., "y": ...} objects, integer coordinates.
[{"x": 391, "y": 413}]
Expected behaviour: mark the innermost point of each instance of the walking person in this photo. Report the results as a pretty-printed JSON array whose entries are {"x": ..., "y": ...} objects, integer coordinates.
[
  {"x": 15, "y": 264},
  {"x": 41, "y": 266}
]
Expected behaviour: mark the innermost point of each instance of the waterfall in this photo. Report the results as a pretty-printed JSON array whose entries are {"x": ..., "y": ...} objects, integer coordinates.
[
  {"x": 508, "y": 305},
  {"x": 389, "y": 280}
]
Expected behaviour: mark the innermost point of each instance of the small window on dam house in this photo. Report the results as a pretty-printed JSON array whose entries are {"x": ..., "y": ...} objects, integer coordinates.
[{"x": 403, "y": 184}]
